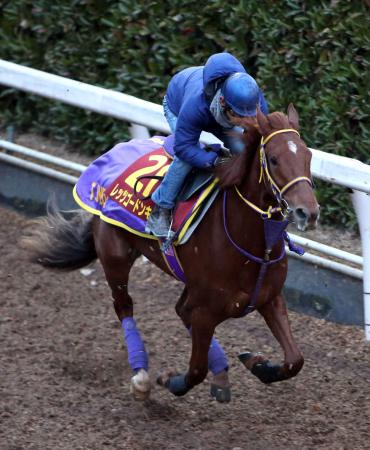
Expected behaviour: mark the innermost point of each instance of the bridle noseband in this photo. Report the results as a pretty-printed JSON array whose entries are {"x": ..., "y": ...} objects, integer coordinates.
[{"x": 265, "y": 176}]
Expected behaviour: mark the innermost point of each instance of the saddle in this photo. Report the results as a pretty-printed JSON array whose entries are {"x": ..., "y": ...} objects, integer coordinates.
[{"x": 117, "y": 187}]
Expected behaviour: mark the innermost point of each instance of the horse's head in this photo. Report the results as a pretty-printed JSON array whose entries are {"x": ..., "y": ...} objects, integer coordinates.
[{"x": 287, "y": 166}]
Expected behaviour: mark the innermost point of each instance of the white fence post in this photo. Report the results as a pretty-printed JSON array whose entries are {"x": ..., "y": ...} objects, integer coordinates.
[
  {"x": 361, "y": 203},
  {"x": 139, "y": 131}
]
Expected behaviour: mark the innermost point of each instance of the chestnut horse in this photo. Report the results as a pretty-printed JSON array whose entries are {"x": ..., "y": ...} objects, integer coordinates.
[{"x": 231, "y": 266}]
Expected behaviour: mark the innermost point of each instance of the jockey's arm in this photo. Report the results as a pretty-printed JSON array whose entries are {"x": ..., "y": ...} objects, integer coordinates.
[{"x": 187, "y": 145}]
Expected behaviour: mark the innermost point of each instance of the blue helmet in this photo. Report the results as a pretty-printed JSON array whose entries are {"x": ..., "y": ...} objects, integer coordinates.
[{"x": 241, "y": 94}]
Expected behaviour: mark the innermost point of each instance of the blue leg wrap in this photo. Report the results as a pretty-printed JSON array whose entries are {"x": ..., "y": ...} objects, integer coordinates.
[
  {"x": 217, "y": 361},
  {"x": 177, "y": 385},
  {"x": 137, "y": 355}
]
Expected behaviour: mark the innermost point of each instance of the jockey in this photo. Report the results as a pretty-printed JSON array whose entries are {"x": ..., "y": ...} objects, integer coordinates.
[{"x": 218, "y": 97}]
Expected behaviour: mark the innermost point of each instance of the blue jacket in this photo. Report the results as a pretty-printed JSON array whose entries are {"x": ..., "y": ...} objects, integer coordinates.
[{"x": 189, "y": 94}]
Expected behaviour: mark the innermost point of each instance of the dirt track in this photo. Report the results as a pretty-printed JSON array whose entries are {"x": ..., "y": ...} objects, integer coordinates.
[{"x": 64, "y": 377}]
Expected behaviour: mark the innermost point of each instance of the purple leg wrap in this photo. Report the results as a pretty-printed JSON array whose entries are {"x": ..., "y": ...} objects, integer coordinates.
[
  {"x": 217, "y": 361},
  {"x": 137, "y": 356}
]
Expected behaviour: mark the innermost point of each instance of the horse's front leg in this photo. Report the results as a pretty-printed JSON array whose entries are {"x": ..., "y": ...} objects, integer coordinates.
[
  {"x": 276, "y": 316},
  {"x": 202, "y": 327},
  {"x": 217, "y": 360}
]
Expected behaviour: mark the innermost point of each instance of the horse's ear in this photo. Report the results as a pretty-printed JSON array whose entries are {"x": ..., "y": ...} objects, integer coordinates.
[
  {"x": 263, "y": 123},
  {"x": 293, "y": 116}
]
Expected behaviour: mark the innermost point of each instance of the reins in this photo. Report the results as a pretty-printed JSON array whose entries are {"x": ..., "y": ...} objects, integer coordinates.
[{"x": 273, "y": 229}]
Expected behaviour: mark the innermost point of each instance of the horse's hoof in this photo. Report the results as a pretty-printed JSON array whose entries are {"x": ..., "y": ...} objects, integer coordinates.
[
  {"x": 245, "y": 357},
  {"x": 220, "y": 387},
  {"x": 249, "y": 359},
  {"x": 267, "y": 372},
  {"x": 175, "y": 383},
  {"x": 163, "y": 377},
  {"x": 220, "y": 393},
  {"x": 140, "y": 385}
]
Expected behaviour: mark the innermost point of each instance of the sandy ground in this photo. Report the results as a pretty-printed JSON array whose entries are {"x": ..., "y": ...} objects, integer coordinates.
[{"x": 64, "y": 376}]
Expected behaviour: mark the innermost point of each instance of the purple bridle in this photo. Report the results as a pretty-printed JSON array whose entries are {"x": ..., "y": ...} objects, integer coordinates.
[{"x": 274, "y": 230}]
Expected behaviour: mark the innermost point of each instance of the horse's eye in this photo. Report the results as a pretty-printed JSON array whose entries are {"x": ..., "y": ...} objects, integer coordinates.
[{"x": 273, "y": 161}]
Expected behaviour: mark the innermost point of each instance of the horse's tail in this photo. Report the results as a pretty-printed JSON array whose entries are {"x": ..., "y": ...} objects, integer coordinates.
[{"x": 61, "y": 241}]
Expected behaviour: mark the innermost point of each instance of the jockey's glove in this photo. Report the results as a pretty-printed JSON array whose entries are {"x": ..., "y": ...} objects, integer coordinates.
[
  {"x": 222, "y": 152},
  {"x": 217, "y": 148},
  {"x": 221, "y": 160},
  {"x": 211, "y": 147}
]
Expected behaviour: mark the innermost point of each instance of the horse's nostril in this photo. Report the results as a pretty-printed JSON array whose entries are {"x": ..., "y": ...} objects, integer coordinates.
[{"x": 301, "y": 214}]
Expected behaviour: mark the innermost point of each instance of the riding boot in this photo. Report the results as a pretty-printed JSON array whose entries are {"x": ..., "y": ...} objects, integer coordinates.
[{"x": 159, "y": 222}]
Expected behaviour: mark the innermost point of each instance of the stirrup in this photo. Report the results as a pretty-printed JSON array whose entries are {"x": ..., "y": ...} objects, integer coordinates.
[{"x": 166, "y": 244}]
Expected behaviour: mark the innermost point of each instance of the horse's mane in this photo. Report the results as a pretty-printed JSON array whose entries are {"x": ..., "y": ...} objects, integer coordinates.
[{"x": 234, "y": 170}]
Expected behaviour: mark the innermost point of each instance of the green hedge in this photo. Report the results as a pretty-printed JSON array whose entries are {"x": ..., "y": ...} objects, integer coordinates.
[{"x": 313, "y": 53}]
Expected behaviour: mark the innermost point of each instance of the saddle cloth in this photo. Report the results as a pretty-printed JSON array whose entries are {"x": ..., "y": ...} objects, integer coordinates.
[{"x": 111, "y": 188}]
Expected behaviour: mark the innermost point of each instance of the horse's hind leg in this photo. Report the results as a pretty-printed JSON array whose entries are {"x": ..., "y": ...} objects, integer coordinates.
[
  {"x": 275, "y": 314},
  {"x": 117, "y": 258},
  {"x": 217, "y": 361}
]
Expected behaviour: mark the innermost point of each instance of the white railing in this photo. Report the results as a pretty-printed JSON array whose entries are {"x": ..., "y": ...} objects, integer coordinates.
[{"x": 143, "y": 115}]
